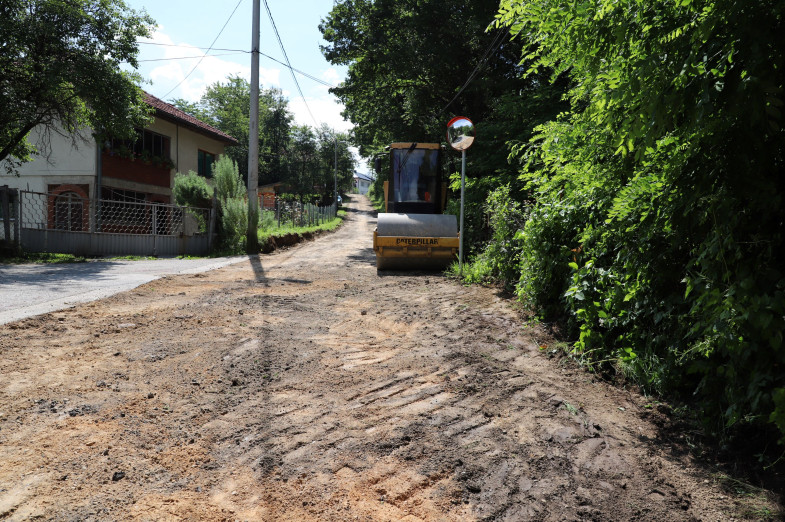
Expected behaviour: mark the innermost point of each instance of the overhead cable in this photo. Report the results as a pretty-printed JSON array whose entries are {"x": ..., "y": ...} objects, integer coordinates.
[
  {"x": 187, "y": 46},
  {"x": 185, "y": 57},
  {"x": 291, "y": 69},
  {"x": 206, "y": 52},
  {"x": 489, "y": 51},
  {"x": 238, "y": 51}
]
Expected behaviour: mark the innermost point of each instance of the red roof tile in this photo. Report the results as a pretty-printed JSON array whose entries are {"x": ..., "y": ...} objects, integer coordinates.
[{"x": 169, "y": 112}]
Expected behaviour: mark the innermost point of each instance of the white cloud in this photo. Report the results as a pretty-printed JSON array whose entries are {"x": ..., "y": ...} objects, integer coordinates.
[
  {"x": 332, "y": 76},
  {"x": 210, "y": 70},
  {"x": 325, "y": 109}
]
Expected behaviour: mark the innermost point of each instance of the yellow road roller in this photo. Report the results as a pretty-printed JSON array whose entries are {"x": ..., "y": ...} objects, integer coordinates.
[{"x": 412, "y": 233}]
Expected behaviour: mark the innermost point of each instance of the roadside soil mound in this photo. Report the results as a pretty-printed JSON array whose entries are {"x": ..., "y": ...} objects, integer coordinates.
[{"x": 273, "y": 243}]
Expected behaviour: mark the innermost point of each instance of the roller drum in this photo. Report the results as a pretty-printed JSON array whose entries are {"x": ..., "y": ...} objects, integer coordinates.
[
  {"x": 417, "y": 225},
  {"x": 441, "y": 231}
]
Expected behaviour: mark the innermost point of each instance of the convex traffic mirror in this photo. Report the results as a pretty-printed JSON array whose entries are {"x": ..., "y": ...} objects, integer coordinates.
[{"x": 460, "y": 133}]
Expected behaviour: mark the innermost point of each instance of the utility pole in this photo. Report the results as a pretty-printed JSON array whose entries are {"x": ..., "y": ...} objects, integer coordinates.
[
  {"x": 252, "y": 238},
  {"x": 335, "y": 196}
]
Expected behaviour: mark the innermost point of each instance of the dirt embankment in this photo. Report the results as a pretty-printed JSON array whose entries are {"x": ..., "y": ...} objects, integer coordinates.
[{"x": 305, "y": 386}]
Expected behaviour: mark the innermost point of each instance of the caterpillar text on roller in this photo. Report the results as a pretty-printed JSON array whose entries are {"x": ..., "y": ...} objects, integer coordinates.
[{"x": 413, "y": 233}]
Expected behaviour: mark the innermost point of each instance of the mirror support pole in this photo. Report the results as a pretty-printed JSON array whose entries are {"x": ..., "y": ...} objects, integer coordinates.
[
  {"x": 460, "y": 136},
  {"x": 460, "y": 237}
]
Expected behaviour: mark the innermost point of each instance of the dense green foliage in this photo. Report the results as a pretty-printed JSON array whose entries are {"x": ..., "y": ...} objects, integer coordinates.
[
  {"x": 657, "y": 218},
  {"x": 60, "y": 70},
  {"x": 194, "y": 190},
  {"x": 226, "y": 179},
  {"x": 227, "y": 106},
  {"x": 312, "y": 162},
  {"x": 500, "y": 259},
  {"x": 233, "y": 225}
]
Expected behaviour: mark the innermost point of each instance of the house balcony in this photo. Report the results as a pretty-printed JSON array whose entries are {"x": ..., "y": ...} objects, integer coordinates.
[{"x": 136, "y": 170}]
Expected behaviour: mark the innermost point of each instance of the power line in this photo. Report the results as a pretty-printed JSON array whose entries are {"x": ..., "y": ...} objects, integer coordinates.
[
  {"x": 489, "y": 51},
  {"x": 186, "y": 57},
  {"x": 206, "y": 52},
  {"x": 186, "y": 46},
  {"x": 309, "y": 76},
  {"x": 238, "y": 51},
  {"x": 291, "y": 69}
]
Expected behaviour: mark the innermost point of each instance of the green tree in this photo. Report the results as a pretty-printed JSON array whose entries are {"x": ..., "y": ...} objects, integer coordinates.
[
  {"x": 409, "y": 62},
  {"x": 192, "y": 190},
  {"x": 304, "y": 160},
  {"x": 233, "y": 212},
  {"x": 226, "y": 179},
  {"x": 60, "y": 70},
  {"x": 227, "y": 106},
  {"x": 332, "y": 145}
]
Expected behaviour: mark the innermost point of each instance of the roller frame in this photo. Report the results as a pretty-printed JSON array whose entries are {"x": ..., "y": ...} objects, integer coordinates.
[{"x": 414, "y": 252}]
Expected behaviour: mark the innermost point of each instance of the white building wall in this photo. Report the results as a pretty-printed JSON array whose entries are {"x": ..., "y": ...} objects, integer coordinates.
[
  {"x": 362, "y": 185},
  {"x": 67, "y": 163}
]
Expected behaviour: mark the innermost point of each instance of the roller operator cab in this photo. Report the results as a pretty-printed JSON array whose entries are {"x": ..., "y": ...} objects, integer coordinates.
[{"x": 413, "y": 233}]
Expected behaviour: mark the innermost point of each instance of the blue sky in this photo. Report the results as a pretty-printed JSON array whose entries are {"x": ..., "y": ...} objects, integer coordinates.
[{"x": 187, "y": 26}]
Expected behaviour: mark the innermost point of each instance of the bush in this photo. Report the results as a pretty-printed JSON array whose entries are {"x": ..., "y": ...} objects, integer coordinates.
[
  {"x": 226, "y": 178},
  {"x": 267, "y": 221},
  {"x": 503, "y": 252},
  {"x": 192, "y": 190},
  {"x": 475, "y": 232},
  {"x": 499, "y": 261},
  {"x": 233, "y": 212},
  {"x": 234, "y": 224},
  {"x": 376, "y": 196}
]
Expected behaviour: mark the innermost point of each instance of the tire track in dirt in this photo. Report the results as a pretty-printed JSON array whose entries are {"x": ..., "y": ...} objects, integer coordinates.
[{"x": 305, "y": 386}]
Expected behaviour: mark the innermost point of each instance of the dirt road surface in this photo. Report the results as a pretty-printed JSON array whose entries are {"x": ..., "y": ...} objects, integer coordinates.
[{"x": 303, "y": 385}]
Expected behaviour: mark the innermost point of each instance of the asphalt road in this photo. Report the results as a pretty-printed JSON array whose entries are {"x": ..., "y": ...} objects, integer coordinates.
[{"x": 33, "y": 289}]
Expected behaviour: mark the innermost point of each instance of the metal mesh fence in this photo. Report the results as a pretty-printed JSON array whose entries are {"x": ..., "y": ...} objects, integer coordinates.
[
  {"x": 71, "y": 212},
  {"x": 302, "y": 214}
]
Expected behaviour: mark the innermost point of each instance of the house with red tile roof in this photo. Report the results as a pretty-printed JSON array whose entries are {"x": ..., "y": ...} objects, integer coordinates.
[{"x": 127, "y": 170}]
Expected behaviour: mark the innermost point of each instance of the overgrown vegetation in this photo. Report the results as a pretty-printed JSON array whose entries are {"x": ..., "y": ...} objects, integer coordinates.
[
  {"x": 499, "y": 261},
  {"x": 376, "y": 195},
  {"x": 60, "y": 73},
  {"x": 270, "y": 228},
  {"x": 232, "y": 206},
  {"x": 192, "y": 190},
  {"x": 656, "y": 218},
  {"x": 645, "y": 211}
]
